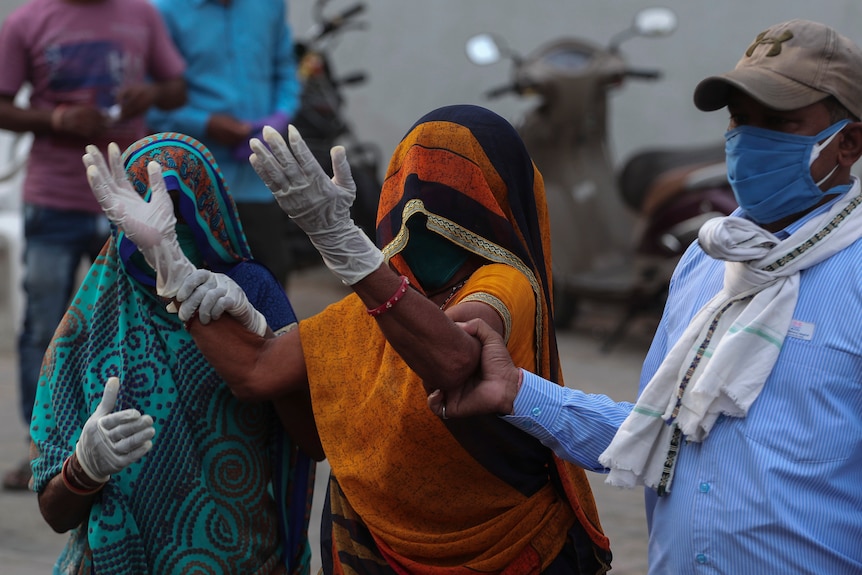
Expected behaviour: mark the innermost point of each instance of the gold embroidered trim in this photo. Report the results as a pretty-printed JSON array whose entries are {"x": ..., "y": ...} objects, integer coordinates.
[
  {"x": 498, "y": 305},
  {"x": 473, "y": 243}
]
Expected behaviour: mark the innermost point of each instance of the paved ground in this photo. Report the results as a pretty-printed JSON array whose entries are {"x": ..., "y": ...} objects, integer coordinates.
[{"x": 29, "y": 547}]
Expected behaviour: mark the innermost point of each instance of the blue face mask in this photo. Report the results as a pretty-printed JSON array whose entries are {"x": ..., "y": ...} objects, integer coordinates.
[{"x": 770, "y": 172}]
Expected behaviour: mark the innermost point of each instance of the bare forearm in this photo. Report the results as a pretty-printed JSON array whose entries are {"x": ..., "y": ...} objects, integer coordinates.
[
  {"x": 170, "y": 94},
  {"x": 255, "y": 368},
  {"x": 62, "y": 508},
  {"x": 22, "y": 120},
  {"x": 425, "y": 337}
]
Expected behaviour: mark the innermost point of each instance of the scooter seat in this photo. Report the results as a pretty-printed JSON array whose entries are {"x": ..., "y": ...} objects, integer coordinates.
[{"x": 644, "y": 168}]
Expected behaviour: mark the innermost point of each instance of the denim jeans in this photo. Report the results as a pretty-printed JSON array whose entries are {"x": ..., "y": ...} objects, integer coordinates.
[{"x": 55, "y": 241}]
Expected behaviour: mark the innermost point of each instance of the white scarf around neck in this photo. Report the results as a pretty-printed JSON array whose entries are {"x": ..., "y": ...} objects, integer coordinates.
[{"x": 720, "y": 363}]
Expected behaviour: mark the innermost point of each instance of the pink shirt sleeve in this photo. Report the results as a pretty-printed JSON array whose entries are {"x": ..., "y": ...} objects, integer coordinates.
[{"x": 13, "y": 54}]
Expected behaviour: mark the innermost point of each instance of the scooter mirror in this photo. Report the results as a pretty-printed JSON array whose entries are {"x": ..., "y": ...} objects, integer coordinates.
[
  {"x": 652, "y": 22},
  {"x": 482, "y": 49}
]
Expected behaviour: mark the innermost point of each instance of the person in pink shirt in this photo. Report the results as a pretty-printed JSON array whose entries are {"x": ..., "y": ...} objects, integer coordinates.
[{"x": 93, "y": 67}]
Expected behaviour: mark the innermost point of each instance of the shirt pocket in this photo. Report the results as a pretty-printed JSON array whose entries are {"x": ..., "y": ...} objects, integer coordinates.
[{"x": 810, "y": 409}]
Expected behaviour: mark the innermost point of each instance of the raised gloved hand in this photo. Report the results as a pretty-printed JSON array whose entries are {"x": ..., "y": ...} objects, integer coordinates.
[
  {"x": 211, "y": 294},
  {"x": 110, "y": 442},
  {"x": 150, "y": 225},
  {"x": 318, "y": 204}
]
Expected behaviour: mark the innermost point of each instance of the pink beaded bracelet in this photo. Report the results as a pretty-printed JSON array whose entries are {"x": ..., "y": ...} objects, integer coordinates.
[{"x": 390, "y": 303}]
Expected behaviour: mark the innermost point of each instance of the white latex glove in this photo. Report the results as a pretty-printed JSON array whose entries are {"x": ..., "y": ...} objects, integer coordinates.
[
  {"x": 150, "y": 225},
  {"x": 212, "y": 294},
  {"x": 319, "y": 205},
  {"x": 110, "y": 442}
]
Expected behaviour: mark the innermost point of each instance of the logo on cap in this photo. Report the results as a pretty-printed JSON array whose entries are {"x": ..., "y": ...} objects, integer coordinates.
[{"x": 775, "y": 50}]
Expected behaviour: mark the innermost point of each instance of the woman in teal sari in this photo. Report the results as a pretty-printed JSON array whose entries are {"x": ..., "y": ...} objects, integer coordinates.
[{"x": 223, "y": 489}]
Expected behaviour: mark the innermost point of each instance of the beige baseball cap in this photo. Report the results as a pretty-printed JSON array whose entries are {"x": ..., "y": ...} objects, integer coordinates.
[{"x": 791, "y": 65}]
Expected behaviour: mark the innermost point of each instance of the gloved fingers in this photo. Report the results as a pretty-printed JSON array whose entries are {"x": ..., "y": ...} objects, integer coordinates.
[
  {"x": 193, "y": 281},
  {"x": 211, "y": 305},
  {"x": 190, "y": 306},
  {"x": 113, "y": 424},
  {"x": 277, "y": 146},
  {"x": 94, "y": 157},
  {"x": 342, "y": 175},
  {"x": 259, "y": 161},
  {"x": 109, "y": 398},
  {"x": 122, "y": 188},
  {"x": 134, "y": 441},
  {"x": 306, "y": 160},
  {"x": 162, "y": 204},
  {"x": 139, "y": 452},
  {"x": 279, "y": 177},
  {"x": 192, "y": 291},
  {"x": 286, "y": 171},
  {"x": 157, "y": 183},
  {"x": 102, "y": 190},
  {"x": 300, "y": 165},
  {"x": 253, "y": 320},
  {"x": 220, "y": 304},
  {"x": 115, "y": 161}
]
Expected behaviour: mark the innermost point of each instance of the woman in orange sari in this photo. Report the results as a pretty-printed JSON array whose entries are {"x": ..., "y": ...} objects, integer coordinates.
[{"x": 463, "y": 224}]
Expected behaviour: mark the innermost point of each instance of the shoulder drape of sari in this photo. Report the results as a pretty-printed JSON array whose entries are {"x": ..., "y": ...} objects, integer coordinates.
[
  {"x": 435, "y": 497},
  {"x": 465, "y": 495}
]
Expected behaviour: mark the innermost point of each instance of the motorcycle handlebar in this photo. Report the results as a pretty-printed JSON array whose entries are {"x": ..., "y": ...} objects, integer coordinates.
[
  {"x": 500, "y": 91},
  {"x": 517, "y": 88},
  {"x": 644, "y": 74},
  {"x": 352, "y": 79},
  {"x": 331, "y": 25}
]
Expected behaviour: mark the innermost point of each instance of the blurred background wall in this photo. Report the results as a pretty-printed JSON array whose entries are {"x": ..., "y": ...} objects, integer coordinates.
[{"x": 414, "y": 55}]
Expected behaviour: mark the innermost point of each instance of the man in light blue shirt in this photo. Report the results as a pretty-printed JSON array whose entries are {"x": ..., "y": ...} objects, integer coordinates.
[
  {"x": 747, "y": 432},
  {"x": 241, "y": 75}
]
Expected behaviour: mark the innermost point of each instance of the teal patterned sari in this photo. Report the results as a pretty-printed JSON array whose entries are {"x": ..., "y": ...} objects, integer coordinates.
[{"x": 223, "y": 490}]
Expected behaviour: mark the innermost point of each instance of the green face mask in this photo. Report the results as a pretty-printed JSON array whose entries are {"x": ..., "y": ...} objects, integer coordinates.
[
  {"x": 432, "y": 258},
  {"x": 186, "y": 239}
]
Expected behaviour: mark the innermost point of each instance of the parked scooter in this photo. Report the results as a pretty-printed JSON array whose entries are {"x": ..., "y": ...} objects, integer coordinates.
[
  {"x": 322, "y": 123},
  {"x": 614, "y": 238}
]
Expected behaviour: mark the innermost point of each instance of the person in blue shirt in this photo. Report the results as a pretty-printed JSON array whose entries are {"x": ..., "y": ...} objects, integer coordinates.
[
  {"x": 241, "y": 75},
  {"x": 747, "y": 431}
]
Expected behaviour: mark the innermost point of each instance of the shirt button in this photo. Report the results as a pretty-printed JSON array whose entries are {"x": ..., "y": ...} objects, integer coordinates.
[
  {"x": 701, "y": 558},
  {"x": 536, "y": 412},
  {"x": 704, "y": 487}
]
